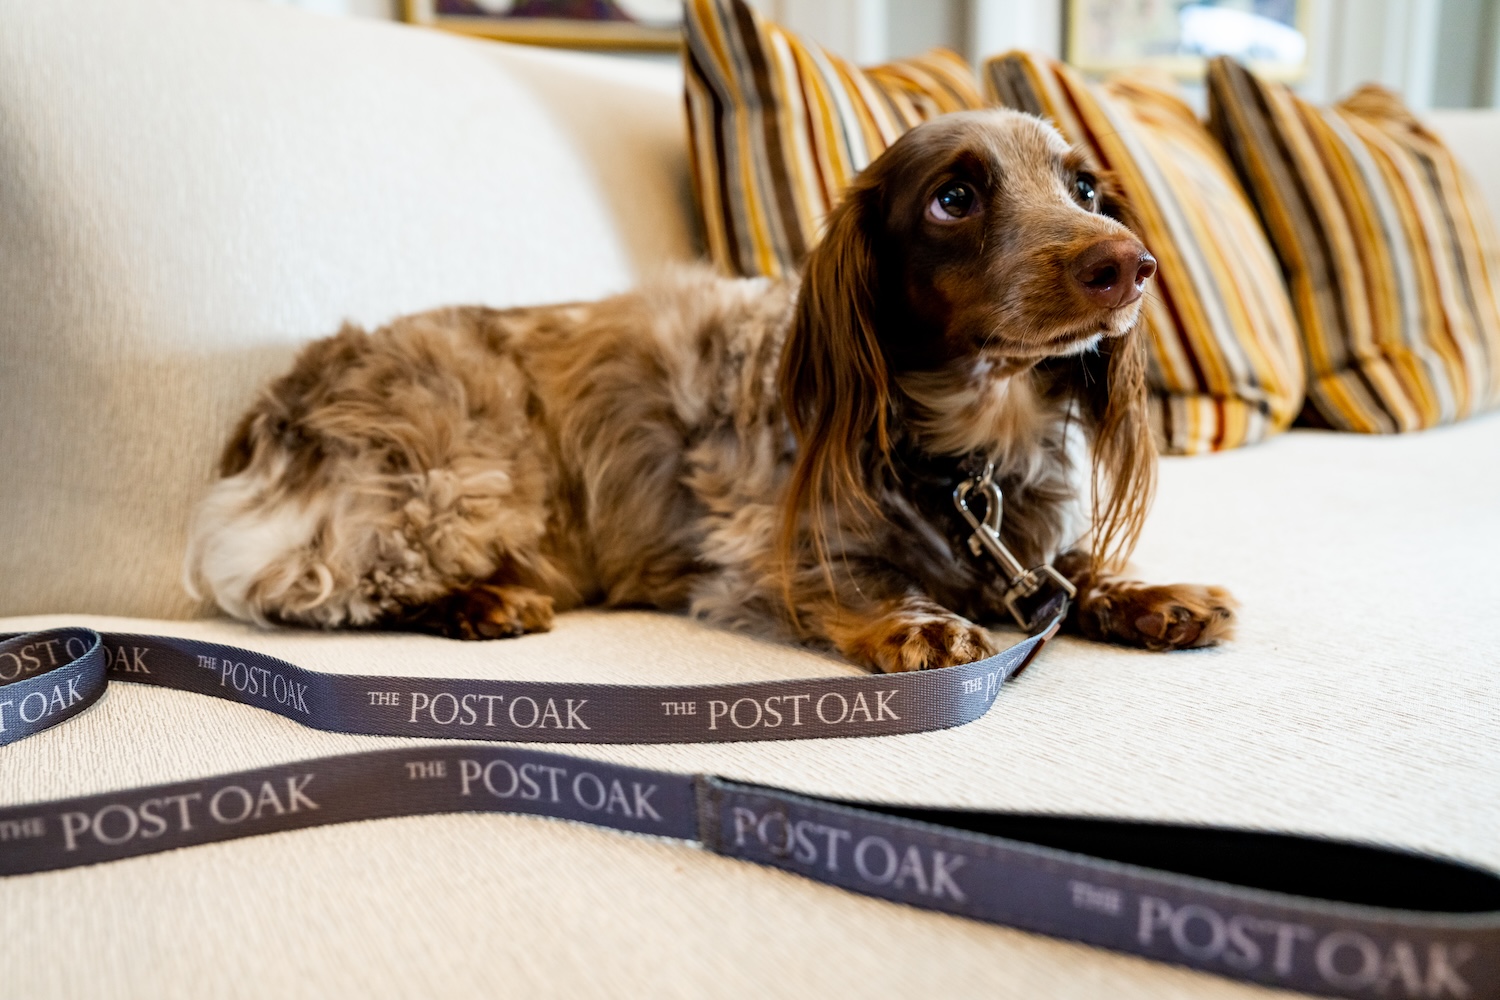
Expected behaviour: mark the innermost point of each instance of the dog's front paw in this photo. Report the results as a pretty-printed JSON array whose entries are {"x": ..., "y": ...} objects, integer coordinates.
[
  {"x": 1176, "y": 616},
  {"x": 487, "y": 612},
  {"x": 917, "y": 639}
]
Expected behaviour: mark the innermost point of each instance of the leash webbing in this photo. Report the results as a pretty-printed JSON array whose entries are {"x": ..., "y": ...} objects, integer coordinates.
[
  {"x": 47, "y": 677},
  {"x": 1322, "y": 916}
]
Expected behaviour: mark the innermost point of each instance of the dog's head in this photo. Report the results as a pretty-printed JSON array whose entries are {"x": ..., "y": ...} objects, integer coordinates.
[{"x": 978, "y": 241}]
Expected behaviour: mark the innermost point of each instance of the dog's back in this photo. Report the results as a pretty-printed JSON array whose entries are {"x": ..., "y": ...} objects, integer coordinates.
[{"x": 561, "y": 447}]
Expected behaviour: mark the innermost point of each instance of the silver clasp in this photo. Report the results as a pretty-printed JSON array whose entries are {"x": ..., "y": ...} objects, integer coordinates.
[
  {"x": 986, "y": 536},
  {"x": 1021, "y": 582}
]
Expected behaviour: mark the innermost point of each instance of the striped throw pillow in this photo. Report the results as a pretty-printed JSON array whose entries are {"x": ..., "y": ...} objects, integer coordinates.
[
  {"x": 1226, "y": 367},
  {"x": 1391, "y": 256},
  {"x": 779, "y": 126}
]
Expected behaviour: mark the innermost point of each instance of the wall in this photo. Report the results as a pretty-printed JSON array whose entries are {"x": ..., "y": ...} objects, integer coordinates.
[
  {"x": 1438, "y": 53},
  {"x": 1468, "y": 43},
  {"x": 385, "y": 9}
]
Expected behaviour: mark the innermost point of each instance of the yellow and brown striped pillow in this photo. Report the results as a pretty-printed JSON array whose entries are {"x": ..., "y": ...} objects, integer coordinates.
[
  {"x": 779, "y": 126},
  {"x": 1225, "y": 362},
  {"x": 1391, "y": 256}
]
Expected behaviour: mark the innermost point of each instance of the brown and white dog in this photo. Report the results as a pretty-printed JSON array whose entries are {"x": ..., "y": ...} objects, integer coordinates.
[{"x": 778, "y": 457}]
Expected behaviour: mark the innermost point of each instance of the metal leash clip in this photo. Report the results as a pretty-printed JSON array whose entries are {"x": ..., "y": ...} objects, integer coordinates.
[{"x": 1033, "y": 596}]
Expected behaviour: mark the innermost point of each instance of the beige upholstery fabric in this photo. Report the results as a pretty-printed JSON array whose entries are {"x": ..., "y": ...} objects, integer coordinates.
[
  {"x": 191, "y": 188},
  {"x": 1360, "y": 701},
  {"x": 188, "y": 188},
  {"x": 1475, "y": 140}
]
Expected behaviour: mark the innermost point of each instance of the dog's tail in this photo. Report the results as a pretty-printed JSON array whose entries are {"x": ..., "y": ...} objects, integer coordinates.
[{"x": 378, "y": 476}]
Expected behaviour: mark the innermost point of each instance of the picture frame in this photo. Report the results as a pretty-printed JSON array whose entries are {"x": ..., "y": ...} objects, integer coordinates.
[
  {"x": 1271, "y": 37},
  {"x": 590, "y": 24}
]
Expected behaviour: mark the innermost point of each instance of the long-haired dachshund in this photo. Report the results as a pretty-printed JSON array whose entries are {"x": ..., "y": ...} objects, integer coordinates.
[{"x": 776, "y": 456}]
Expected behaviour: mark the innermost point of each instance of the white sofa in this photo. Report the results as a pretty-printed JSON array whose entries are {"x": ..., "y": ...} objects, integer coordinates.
[{"x": 189, "y": 189}]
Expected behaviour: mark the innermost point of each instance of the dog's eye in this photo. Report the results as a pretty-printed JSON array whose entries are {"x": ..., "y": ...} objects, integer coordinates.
[
  {"x": 953, "y": 202},
  {"x": 1084, "y": 187}
]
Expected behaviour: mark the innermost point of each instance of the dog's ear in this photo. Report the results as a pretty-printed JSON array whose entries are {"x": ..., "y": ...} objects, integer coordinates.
[
  {"x": 833, "y": 378},
  {"x": 1113, "y": 392},
  {"x": 1115, "y": 398}
]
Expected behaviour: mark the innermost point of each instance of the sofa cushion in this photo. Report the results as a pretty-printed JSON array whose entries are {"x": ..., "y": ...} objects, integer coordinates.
[
  {"x": 1358, "y": 701},
  {"x": 190, "y": 191},
  {"x": 779, "y": 126},
  {"x": 1226, "y": 363},
  {"x": 1392, "y": 256}
]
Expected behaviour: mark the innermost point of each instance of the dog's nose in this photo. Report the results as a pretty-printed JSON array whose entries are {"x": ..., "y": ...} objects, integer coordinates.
[{"x": 1111, "y": 273}]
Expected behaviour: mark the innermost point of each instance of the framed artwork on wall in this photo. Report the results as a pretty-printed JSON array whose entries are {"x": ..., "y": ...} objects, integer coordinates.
[
  {"x": 1180, "y": 36},
  {"x": 592, "y": 24}
]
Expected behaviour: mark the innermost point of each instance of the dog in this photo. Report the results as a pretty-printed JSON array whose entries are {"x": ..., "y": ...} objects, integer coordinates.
[{"x": 776, "y": 456}]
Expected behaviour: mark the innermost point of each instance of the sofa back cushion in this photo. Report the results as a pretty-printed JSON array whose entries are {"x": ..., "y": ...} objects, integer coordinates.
[
  {"x": 1392, "y": 257},
  {"x": 189, "y": 192},
  {"x": 780, "y": 126}
]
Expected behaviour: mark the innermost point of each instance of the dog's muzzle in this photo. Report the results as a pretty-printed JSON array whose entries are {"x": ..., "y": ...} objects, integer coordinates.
[{"x": 1034, "y": 597}]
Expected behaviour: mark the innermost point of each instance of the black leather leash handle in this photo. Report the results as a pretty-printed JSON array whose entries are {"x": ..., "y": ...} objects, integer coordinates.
[{"x": 1321, "y": 916}]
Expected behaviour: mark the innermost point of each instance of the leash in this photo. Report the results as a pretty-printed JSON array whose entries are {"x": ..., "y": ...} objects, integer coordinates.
[
  {"x": 1328, "y": 917},
  {"x": 1322, "y": 916}
]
